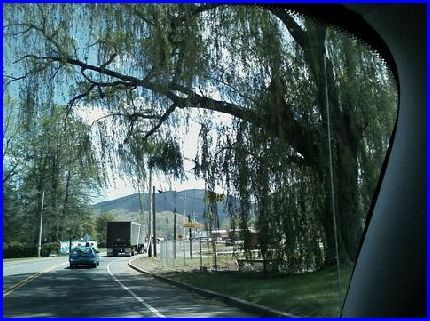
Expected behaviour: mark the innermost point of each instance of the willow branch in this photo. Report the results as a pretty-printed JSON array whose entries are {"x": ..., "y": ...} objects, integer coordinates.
[
  {"x": 109, "y": 61},
  {"x": 79, "y": 97},
  {"x": 13, "y": 79},
  {"x": 10, "y": 173},
  {"x": 131, "y": 117},
  {"x": 163, "y": 118},
  {"x": 295, "y": 30},
  {"x": 84, "y": 66},
  {"x": 116, "y": 83},
  {"x": 290, "y": 126}
]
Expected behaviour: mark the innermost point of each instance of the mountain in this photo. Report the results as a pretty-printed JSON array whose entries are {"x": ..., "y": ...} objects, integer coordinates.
[{"x": 188, "y": 202}]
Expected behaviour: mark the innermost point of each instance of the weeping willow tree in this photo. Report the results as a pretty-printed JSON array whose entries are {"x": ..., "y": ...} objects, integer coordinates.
[{"x": 147, "y": 66}]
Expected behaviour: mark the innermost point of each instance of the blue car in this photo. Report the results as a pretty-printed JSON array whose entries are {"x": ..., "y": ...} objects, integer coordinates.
[{"x": 83, "y": 256}]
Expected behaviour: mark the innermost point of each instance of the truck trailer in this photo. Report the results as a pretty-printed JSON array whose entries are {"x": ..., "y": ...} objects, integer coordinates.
[{"x": 124, "y": 238}]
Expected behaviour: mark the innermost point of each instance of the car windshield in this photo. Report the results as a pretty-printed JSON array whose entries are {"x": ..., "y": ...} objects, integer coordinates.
[{"x": 82, "y": 251}]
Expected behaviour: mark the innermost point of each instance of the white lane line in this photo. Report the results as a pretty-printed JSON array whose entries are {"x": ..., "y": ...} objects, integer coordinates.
[{"x": 139, "y": 299}]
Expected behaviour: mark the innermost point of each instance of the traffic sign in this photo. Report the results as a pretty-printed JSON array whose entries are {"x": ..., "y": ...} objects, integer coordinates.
[
  {"x": 191, "y": 225},
  {"x": 214, "y": 197}
]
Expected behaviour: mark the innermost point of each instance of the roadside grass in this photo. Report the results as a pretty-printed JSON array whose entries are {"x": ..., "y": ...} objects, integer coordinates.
[
  {"x": 309, "y": 294},
  {"x": 193, "y": 264}
]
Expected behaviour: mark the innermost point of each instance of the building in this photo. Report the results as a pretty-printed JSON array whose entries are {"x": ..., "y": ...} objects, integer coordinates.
[{"x": 65, "y": 249}]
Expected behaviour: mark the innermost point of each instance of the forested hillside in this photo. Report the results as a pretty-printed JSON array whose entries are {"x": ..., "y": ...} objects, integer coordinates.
[{"x": 189, "y": 202}]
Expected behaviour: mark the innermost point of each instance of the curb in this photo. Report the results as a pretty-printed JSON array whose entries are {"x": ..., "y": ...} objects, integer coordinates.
[{"x": 243, "y": 304}]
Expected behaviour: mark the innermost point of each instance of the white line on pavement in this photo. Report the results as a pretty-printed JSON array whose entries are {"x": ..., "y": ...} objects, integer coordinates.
[{"x": 139, "y": 299}]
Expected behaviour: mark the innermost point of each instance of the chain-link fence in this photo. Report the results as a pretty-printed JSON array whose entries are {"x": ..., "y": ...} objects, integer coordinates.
[{"x": 201, "y": 253}]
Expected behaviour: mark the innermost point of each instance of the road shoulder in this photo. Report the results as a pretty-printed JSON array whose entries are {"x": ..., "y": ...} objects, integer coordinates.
[{"x": 238, "y": 302}]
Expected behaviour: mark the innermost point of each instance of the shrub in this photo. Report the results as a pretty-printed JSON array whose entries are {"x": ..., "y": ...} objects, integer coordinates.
[
  {"x": 18, "y": 249},
  {"x": 50, "y": 248}
]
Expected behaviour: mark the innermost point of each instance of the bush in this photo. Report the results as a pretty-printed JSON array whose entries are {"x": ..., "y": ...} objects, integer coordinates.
[
  {"x": 50, "y": 248},
  {"x": 18, "y": 249}
]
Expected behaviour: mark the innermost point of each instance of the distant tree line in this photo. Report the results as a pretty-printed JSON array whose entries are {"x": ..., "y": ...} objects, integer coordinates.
[{"x": 47, "y": 161}]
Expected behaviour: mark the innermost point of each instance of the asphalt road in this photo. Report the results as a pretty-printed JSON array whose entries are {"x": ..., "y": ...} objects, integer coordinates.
[{"x": 47, "y": 287}]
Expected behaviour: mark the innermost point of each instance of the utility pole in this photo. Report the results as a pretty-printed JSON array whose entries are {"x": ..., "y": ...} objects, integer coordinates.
[
  {"x": 70, "y": 241},
  {"x": 183, "y": 221},
  {"x": 154, "y": 240},
  {"x": 149, "y": 213},
  {"x": 192, "y": 204},
  {"x": 191, "y": 240},
  {"x": 39, "y": 244},
  {"x": 174, "y": 228},
  {"x": 206, "y": 208},
  {"x": 193, "y": 218},
  {"x": 185, "y": 204}
]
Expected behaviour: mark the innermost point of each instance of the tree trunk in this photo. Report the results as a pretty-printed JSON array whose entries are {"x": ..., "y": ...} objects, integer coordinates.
[
  {"x": 344, "y": 145},
  {"x": 347, "y": 199}
]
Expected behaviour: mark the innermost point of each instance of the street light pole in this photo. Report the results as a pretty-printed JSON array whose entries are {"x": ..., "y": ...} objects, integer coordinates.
[
  {"x": 39, "y": 244},
  {"x": 191, "y": 233},
  {"x": 183, "y": 228},
  {"x": 191, "y": 239}
]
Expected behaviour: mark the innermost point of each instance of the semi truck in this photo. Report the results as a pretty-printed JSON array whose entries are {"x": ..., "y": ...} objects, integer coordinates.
[{"x": 124, "y": 238}]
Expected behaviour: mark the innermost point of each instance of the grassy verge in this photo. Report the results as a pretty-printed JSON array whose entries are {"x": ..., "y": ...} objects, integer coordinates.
[
  {"x": 309, "y": 294},
  {"x": 188, "y": 264}
]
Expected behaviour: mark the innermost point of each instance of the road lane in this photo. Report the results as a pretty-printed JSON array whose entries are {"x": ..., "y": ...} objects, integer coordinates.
[
  {"x": 139, "y": 299},
  {"x": 30, "y": 265},
  {"x": 93, "y": 292},
  {"x": 20, "y": 271},
  {"x": 169, "y": 300},
  {"x": 65, "y": 292},
  {"x": 8, "y": 290}
]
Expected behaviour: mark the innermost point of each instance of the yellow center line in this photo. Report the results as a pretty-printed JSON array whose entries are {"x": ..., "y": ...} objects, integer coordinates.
[{"x": 10, "y": 289}]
